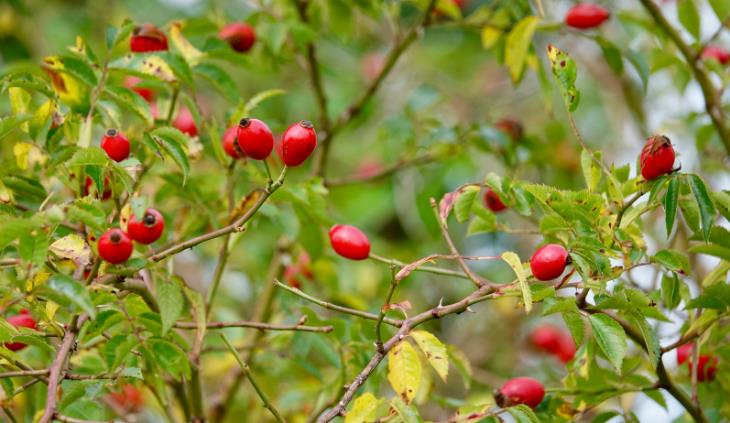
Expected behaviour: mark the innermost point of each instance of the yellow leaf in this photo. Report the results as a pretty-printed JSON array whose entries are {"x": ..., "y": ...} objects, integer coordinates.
[
  {"x": 51, "y": 309},
  {"x": 124, "y": 216},
  {"x": 490, "y": 36},
  {"x": 518, "y": 42},
  {"x": 27, "y": 154},
  {"x": 514, "y": 261},
  {"x": 68, "y": 88},
  {"x": 19, "y": 100},
  {"x": 363, "y": 409},
  {"x": 72, "y": 247},
  {"x": 404, "y": 370},
  {"x": 434, "y": 350},
  {"x": 155, "y": 66},
  {"x": 191, "y": 54}
]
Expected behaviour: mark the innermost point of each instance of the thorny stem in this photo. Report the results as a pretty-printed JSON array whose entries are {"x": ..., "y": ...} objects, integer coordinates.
[
  {"x": 384, "y": 308},
  {"x": 255, "y": 325},
  {"x": 427, "y": 269}
]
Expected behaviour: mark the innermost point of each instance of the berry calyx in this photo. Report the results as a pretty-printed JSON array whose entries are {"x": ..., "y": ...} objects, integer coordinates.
[
  {"x": 255, "y": 138},
  {"x": 146, "y": 38},
  {"x": 549, "y": 262},
  {"x": 520, "y": 390},
  {"x": 128, "y": 398},
  {"x": 185, "y": 123},
  {"x": 148, "y": 229},
  {"x": 716, "y": 53},
  {"x": 132, "y": 82},
  {"x": 115, "y": 246},
  {"x": 107, "y": 189},
  {"x": 349, "y": 242},
  {"x": 115, "y": 144},
  {"x": 512, "y": 128},
  {"x": 586, "y": 15},
  {"x": 239, "y": 35},
  {"x": 298, "y": 143},
  {"x": 23, "y": 319},
  {"x": 230, "y": 145},
  {"x": 657, "y": 157},
  {"x": 493, "y": 202}
]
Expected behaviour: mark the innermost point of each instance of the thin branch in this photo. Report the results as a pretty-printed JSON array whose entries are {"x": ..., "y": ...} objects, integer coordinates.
[
  {"x": 427, "y": 269},
  {"x": 247, "y": 373},
  {"x": 385, "y": 307},
  {"x": 382, "y": 173},
  {"x": 341, "y": 309},
  {"x": 257, "y": 325},
  {"x": 713, "y": 103}
]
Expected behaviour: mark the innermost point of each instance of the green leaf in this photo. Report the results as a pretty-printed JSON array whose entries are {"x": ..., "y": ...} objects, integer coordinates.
[
  {"x": 689, "y": 17},
  {"x": 170, "y": 357},
  {"x": 407, "y": 413},
  {"x": 92, "y": 156},
  {"x": 363, "y": 409},
  {"x": 220, "y": 80},
  {"x": 712, "y": 250},
  {"x": 170, "y": 298},
  {"x": 404, "y": 370},
  {"x": 704, "y": 203},
  {"x": 173, "y": 142},
  {"x": 484, "y": 222},
  {"x": 671, "y": 291},
  {"x": 721, "y": 8},
  {"x": 434, "y": 350},
  {"x": 461, "y": 364},
  {"x": 565, "y": 73},
  {"x": 11, "y": 123},
  {"x": 610, "y": 337},
  {"x": 464, "y": 202},
  {"x": 259, "y": 98},
  {"x": 78, "y": 69},
  {"x": 523, "y": 414},
  {"x": 591, "y": 171},
  {"x": 671, "y": 201},
  {"x": 73, "y": 291},
  {"x": 612, "y": 55},
  {"x": 131, "y": 101},
  {"x": 673, "y": 260},
  {"x": 649, "y": 334},
  {"x": 574, "y": 321},
  {"x": 518, "y": 44},
  {"x": 516, "y": 264},
  {"x": 715, "y": 296}
]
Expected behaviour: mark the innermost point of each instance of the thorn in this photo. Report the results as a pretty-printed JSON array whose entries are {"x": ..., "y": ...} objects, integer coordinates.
[{"x": 469, "y": 309}]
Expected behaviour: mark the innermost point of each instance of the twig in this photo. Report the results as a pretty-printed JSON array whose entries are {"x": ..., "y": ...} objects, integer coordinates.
[
  {"x": 247, "y": 373},
  {"x": 427, "y": 269},
  {"x": 256, "y": 325},
  {"x": 384, "y": 308},
  {"x": 341, "y": 309},
  {"x": 713, "y": 104},
  {"x": 382, "y": 173}
]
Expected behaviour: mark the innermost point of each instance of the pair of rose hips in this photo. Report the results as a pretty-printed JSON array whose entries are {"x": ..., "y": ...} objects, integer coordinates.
[
  {"x": 549, "y": 339},
  {"x": 148, "y": 38},
  {"x": 23, "y": 319},
  {"x": 115, "y": 245},
  {"x": 520, "y": 390},
  {"x": 253, "y": 138},
  {"x": 706, "y": 364}
]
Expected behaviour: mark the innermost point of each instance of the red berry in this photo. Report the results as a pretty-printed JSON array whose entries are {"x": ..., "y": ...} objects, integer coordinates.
[
  {"x": 586, "y": 15},
  {"x": 716, "y": 53},
  {"x": 302, "y": 267},
  {"x": 239, "y": 35},
  {"x": 511, "y": 127},
  {"x": 657, "y": 157},
  {"x": 185, "y": 123},
  {"x": 706, "y": 368},
  {"x": 147, "y": 37},
  {"x": 549, "y": 262},
  {"x": 115, "y": 144},
  {"x": 349, "y": 242},
  {"x": 546, "y": 338},
  {"x": 24, "y": 319},
  {"x": 115, "y": 246},
  {"x": 107, "y": 189},
  {"x": 230, "y": 145},
  {"x": 129, "y": 398},
  {"x": 299, "y": 141},
  {"x": 566, "y": 348},
  {"x": 131, "y": 82},
  {"x": 520, "y": 390},
  {"x": 684, "y": 352},
  {"x": 147, "y": 230},
  {"x": 493, "y": 202},
  {"x": 255, "y": 138}
]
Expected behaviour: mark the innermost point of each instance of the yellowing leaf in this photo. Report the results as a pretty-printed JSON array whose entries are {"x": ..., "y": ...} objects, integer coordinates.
[
  {"x": 490, "y": 36},
  {"x": 155, "y": 66},
  {"x": 518, "y": 44},
  {"x": 68, "y": 88},
  {"x": 19, "y": 100},
  {"x": 514, "y": 261},
  {"x": 565, "y": 72},
  {"x": 404, "y": 370},
  {"x": 51, "y": 308},
  {"x": 191, "y": 54},
  {"x": 363, "y": 409},
  {"x": 72, "y": 247},
  {"x": 434, "y": 350},
  {"x": 27, "y": 154}
]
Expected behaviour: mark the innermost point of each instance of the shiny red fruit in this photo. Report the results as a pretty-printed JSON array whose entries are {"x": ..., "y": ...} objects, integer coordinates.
[
  {"x": 147, "y": 37},
  {"x": 131, "y": 82},
  {"x": 586, "y": 15},
  {"x": 107, "y": 189},
  {"x": 684, "y": 352},
  {"x": 511, "y": 127},
  {"x": 716, "y": 53},
  {"x": 230, "y": 145},
  {"x": 115, "y": 144},
  {"x": 706, "y": 368},
  {"x": 298, "y": 143},
  {"x": 185, "y": 122},
  {"x": 115, "y": 246},
  {"x": 255, "y": 138},
  {"x": 239, "y": 35},
  {"x": 147, "y": 230},
  {"x": 549, "y": 262},
  {"x": 24, "y": 319},
  {"x": 520, "y": 390},
  {"x": 566, "y": 348},
  {"x": 129, "y": 398},
  {"x": 493, "y": 202},
  {"x": 349, "y": 242},
  {"x": 546, "y": 338},
  {"x": 657, "y": 157}
]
